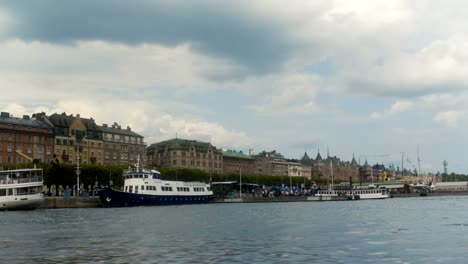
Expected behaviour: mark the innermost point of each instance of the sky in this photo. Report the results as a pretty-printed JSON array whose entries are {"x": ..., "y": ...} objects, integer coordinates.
[{"x": 379, "y": 80}]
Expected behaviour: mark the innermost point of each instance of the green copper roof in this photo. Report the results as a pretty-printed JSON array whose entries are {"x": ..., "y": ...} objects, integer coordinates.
[{"x": 235, "y": 154}]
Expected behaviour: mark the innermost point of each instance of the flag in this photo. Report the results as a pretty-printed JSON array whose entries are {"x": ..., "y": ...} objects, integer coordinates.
[{"x": 55, "y": 162}]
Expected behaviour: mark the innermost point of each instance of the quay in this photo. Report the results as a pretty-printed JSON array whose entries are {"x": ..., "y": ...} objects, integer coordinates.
[
  {"x": 70, "y": 202},
  {"x": 93, "y": 201}
]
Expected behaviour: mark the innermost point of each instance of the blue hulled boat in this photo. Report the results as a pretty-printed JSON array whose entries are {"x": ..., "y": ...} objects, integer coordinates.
[{"x": 143, "y": 187}]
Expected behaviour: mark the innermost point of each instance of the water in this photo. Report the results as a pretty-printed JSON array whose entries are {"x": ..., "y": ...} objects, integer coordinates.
[{"x": 404, "y": 230}]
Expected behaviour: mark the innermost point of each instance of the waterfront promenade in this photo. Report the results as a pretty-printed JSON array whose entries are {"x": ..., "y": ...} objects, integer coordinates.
[{"x": 93, "y": 201}]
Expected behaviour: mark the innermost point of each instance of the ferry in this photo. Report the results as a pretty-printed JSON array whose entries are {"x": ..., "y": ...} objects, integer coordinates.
[
  {"x": 144, "y": 187},
  {"x": 355, "y": 194},
  {"x": 21, "y": 189}
]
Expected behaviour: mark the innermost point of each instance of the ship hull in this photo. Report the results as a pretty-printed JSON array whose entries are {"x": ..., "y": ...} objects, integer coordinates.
[
  {"x": 23, "y": 202},
  {"x": 112, "y": 198}
]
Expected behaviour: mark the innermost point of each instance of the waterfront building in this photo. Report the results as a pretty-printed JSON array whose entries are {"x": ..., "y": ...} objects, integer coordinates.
[
  {"x": 23, "y": 139},
  {"x": 184, "y": 153},
  {"x": 237, "y": 161},
  {"x": 271, "y": 163},
  {"x": 122, "y": 146},
  {"x": 73, "y": 134},
  {"x": 306, "y": 166},
  {"x": 343, "y": 171}
]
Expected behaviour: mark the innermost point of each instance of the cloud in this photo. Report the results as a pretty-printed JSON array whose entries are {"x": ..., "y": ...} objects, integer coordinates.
[
  {"x": 227, "y": 30},
  {"x": 448, "y": 118},
  {"x": 397, "y": 107}
]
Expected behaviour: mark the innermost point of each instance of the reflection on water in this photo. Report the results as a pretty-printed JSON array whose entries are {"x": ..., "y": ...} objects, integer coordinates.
[{"x": 409, "y": 230}]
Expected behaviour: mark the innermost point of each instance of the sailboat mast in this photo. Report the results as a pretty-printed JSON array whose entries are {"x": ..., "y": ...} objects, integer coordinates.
[
  {"x": 419, "y": 161},
  {"x": 402, "y": 155}
]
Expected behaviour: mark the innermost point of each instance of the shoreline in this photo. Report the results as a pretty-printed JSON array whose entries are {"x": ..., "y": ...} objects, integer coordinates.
[{"x": 59, "y": 202}]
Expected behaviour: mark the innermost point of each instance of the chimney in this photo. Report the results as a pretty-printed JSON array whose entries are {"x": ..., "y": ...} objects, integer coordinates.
[
  {"x": 128, "y": 128},
  {"x": 104, "y": 125},
  {"x": 25, "y": 117}
]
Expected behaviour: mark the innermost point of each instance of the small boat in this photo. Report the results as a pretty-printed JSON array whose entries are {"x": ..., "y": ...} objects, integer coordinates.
[
  {"x": 355, "y": 194},
  {"x": 21, "y": 189},
  {"x": 144, "y": 187}
]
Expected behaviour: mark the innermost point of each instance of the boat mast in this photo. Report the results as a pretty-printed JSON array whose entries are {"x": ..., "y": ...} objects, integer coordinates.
[
  {"x": 402, "y": 158},
  {"x": 331, "y": 176},
  {"x": 419, "y": 161}
]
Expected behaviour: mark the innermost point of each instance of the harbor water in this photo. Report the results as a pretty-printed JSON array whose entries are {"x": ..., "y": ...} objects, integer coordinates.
[{"x": 399, "y": 230}]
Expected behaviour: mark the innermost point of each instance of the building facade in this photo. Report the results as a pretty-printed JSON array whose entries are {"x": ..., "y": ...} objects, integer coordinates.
[
  {"x": 183, "y": 153},
  {"x": 23, "y": 140},
  {"x": 236, "y": 162},
  {"x": 271, "y": 163},
  {"x": 122, "y": 146},
  {"x": 76, "y": 137}
]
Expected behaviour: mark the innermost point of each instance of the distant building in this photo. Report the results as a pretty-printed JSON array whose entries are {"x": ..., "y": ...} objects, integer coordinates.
[
  {"x": 184, "y": 153},
  {"x": 271, "y": 163},
  {"x": 235, "y": 162},
  {"x": 73, "y": 134},
  {"x": 100, "y": 145},
  {"x": 122, "y": 146},
  {"x": 33, "y": 138}
]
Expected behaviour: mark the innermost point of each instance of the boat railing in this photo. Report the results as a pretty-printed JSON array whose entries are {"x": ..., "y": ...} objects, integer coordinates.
[{"x": 22, "y": 180}]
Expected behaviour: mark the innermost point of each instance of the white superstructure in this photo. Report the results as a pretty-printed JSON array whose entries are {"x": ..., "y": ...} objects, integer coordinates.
[
  {"x": 379, "y": 193},
  {"x": 21, "y": 189}
]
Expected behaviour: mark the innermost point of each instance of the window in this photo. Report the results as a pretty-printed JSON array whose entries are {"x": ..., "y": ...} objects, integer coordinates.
[
  {"x": 57, "y": 141},
  {"x": 9, "y": 148},
  {"x": 30, "y": 149},
  {"x": 174, "y": 162}
]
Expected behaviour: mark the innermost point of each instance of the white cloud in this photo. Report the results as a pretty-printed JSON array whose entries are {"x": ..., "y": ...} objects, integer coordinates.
[
  {"x": 396, "y": 108},
  {"x": 449, "y": 118}
]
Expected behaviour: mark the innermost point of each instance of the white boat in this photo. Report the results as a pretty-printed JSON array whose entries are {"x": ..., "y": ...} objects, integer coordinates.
[
  {"x": 355, "y": 194},
  {"x": 21, "y": 189},
  {"x": 144, "y": 187}
]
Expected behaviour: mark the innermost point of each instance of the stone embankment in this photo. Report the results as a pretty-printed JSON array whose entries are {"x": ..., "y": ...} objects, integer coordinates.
[{"x": 70, "y": 202}]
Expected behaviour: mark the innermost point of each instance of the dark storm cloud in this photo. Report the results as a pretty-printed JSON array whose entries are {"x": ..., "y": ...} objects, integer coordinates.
[{"x": 218, "y": 28}]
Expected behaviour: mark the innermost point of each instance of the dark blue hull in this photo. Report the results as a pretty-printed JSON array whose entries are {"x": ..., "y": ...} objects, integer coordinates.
[{"x": 113, "y": 198}]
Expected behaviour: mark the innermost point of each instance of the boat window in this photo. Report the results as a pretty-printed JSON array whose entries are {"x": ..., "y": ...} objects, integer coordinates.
[
  {"x": 2, "y": 192},
  {"x": 170, "y": 189},
  {"x": 130, "y": 190},
  {"x": 142, "y": 187},
  {"x": 126, "y": 188},
  {"x": 136, "y": 189}
]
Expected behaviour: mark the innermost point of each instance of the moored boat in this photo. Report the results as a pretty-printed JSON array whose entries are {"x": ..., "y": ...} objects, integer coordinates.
[
  {"x": 356, "y": 194},
  {"x": 21, "y": 189},
  {"x": 144, "y": 187}
]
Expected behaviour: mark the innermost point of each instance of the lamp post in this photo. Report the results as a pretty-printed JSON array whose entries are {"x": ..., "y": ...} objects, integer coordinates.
[
  {"x": 78, "y": 169},
  {"x": 240, "y": 185}
]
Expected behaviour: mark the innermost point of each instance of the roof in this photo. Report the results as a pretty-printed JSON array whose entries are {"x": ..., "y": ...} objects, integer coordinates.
[
  {"x": 305, "y": 159},
  {"x": 319, "y": 157},
  {"x": 116, "y": 129},
  {"x": 235, "y": 154},
  {"x": 5, "y": 118},
  {"x": 64, "y": 120},
  {"x": 183, "y": 144}
]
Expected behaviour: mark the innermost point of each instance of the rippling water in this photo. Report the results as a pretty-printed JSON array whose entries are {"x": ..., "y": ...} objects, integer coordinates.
[{"x": 405, "y": 230}]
